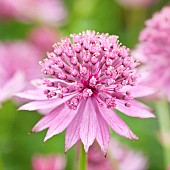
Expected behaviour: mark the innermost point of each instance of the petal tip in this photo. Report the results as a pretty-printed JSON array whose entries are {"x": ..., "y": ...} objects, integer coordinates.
[
  {"x": 20, "y": 108},
  {"x": 86, "y": 148},
  {"x": 45, "y": 139},
  {"x": 31, "y": 132}
]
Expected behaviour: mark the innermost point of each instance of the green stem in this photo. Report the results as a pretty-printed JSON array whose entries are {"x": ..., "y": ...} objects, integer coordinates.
[
  {"x": 162, "y": 107},
  {"x": 167, "y": 157},
  {"x": 82, "y": 159},
  {"x": 1, "y": 163}
]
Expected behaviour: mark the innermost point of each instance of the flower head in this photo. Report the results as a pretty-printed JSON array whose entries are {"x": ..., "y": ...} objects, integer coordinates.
[
  {"x": 45, "y": 11},
  {"x": 91, "y": 74},
  {"x": 18, "y": 65},
  {"x": 153, "y": 50},
  {"x": 49, "y": 162},
  {"x": 119, "y": 157}
]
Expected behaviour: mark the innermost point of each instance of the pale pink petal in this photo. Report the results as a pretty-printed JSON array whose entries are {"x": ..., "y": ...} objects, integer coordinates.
[
  {"x": 88, "y": 125},
  {"x": 38, "y": 83},
  {"x": 141, "y": 105},
  {"x": 116, "y": 123},
  {"x": 139, "y": 91},
  {"x": 103, "y": 133},
  {"x": 135, "y": 109},
  {"x": 46, "y": 104},
  {"x": 46, "y": 121},
  {"x": 72, "y": 132},
  {"x": 60, "y": 122},
  {"x": 36, "y": 94}
]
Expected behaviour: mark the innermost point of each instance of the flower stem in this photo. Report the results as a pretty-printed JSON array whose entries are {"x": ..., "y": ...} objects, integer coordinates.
[
  {"x": 1, "y": 164},
  {"x": 162, "y": 107},
  {"x": 82, "y": 159}
]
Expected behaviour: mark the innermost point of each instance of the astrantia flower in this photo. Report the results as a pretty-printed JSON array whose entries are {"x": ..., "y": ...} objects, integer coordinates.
[
  {"x": 49, "y": 162},
  {"x": 46, "y": 11},
  {"x": 18, "y": 65},
  {"x": 91, "y": 75},
  {"x": 153, "y": 50},
  {"x": 136, "y": 3},
  {"x": 120, "y": 157}
]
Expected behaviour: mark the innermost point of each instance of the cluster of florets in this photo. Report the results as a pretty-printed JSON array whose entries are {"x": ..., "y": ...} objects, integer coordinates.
[
  {"x": 92, "y": 64},
  {"x": 155, "y": 37},
  {"x": 153, "y": 50}
]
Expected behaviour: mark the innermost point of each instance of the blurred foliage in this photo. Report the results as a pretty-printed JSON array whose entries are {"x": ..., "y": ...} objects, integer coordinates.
[{"x": 17, "y": 146}]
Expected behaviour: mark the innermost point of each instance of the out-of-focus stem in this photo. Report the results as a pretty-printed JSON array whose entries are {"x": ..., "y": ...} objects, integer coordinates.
[
  {"x": 1, "y": 164},
  {"x": 82, "y": 159},
  {"x": 162, "y": 107}
]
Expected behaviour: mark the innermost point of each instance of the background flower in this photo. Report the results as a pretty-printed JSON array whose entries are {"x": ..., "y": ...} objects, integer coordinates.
[
  {"x": 119, "y": 157},
  {"x": 50, "y": 12},
  {"x": 153, "y": 50},
  {"x": 43, "y": 37},
  {"x": 48, "y": 162},
  {"x": 19, "y": 65}
]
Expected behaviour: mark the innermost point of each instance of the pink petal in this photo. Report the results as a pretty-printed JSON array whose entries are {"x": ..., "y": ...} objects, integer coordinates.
[
  {"x": 72, "y": 132},
  {"x": 136, "y": 109},
  {"x": 46, "y": 104},
  {"x": 46, "y": 121},
  {"x": 32, "y": 94},
  {"x": 139, "y": 91},
  {"x": 60, "y": 122},
  {"x": 88, "y": 125},
  {"x": 38, "y": 83},
  {"x": 116, "y": 123},
  {"x": 103, "y": 133}
]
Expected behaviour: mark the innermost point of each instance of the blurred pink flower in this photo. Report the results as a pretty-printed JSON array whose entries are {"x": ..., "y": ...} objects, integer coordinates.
[
  {"x": 49, "y": 162},
  {"x": 92, "y": 74},
  {"x": 120, "y": 157},
  {"x": 45, "y": 11},
  {"x": 18, "y": 65},
  {"x": 154, "y": 50},
  {"x": 44, "y": 37},
  {"x": 136, "y": 3},
  {"x": 96, "y": 160}
]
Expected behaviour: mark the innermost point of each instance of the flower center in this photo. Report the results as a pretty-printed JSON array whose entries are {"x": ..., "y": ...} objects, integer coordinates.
[{"x": 93, "y": 65}]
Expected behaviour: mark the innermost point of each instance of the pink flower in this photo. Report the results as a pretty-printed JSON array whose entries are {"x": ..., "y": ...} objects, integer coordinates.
[
  {"x": 18, "y": 65},
  {"x": 46, "y": 11},
  {"x": 119, "y": 157},
  {"x": 50, "y": 162},
  {"x": 153, "y": 50},
  {"x": 136, "y": 3},
  {"x": 43, "y": 37},
  {"x": 96, "y": 160},
  {"x": 91, "y": 74}
]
